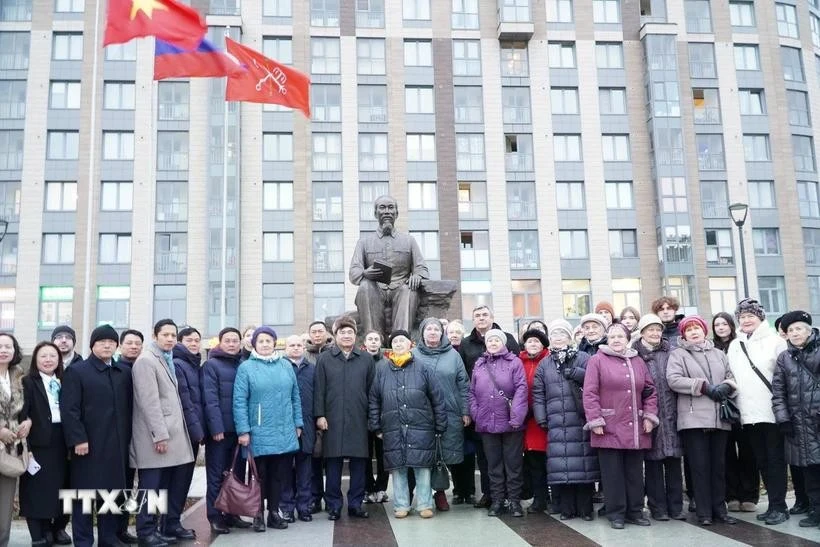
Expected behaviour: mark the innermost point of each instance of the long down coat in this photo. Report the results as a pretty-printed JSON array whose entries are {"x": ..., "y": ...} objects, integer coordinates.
[
  {"x": 407, "y": 408},
  {"x": 666, "y": 441},
  {"x": 557, "y": 406}
]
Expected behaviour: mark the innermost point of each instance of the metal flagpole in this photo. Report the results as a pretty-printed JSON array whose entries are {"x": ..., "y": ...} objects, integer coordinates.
[{"x": 223, "y": 309}]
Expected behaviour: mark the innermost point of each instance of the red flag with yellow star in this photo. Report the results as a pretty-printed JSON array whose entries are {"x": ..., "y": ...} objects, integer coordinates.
[{"x": 168, "y": 20}]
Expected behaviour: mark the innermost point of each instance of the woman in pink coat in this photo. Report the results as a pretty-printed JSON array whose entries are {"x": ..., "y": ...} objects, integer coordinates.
[{"x": 621, "y": 406}]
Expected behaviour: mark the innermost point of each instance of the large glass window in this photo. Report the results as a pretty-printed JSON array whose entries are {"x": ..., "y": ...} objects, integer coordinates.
[
  {"x": 325, "y": 55},
  {"x": 623, "y": 244},
  {"x": 752, "y": 102},
  {"x": 798, "y": 102},
  {"x": 514, "y": 59},
  {"x": 702, "y": 60},
  {"x": 772, "y": 291},
  {"x": 475, "y": 250},
  {"x": 418, "y": 53},
  {"x": 324, "y": 13},
  {"x": 569, "y": 195},
  {"x": 576, "y": 295},
  {"x": 472, "y": 200},
  {"x": 119, "y": 145},
  {"x": 61, "y": 196},
  {"x": 277, "y": 196},
  {"x": 328, "y": 299},
  {"x": 469, "y": 105},
  {"x": 326, "y": 102},
  {"x": 719, "y": 247},
  {"x": 722, "y": 294},
  {"x": 559, "y": 11},
  {"x": 173, "y": 99},
  {"x": 606, "y": 11},
  {"x": 766, "y": 241},
  {"x": 747, "y": 57},
  {"x": 172, "y": 201},
  {"x": 277, "y": 303},
  {"x": 612, "y": 101},
  {"x": 706, "y": 106},
  {"x": 619, "y": 195},
  {"x": 67, "y": 46},
  {"x": 328, "y": 252},
  {"x": 327, "y": 201},
  {"x": 55, "y": 306},
  {"x": 115, "y": 249},
  {"x": 803, "y": 153},
  {"x": 327, "y": 152},
  {"x": 524, "y": 250},
  {"x": 756, "y": 148},
  {"x": 172, "y": 253},
  {"x": 370, "y": 56},
  {"x": 118, "y": 95},
  {"x": 65, "y": 95},
  {"x": 172, "y": 150},
  {"x": 465, "y": 15},
  {"x": 561, "y": 54},
  {"x": 58, "y": 248},
  {"x": 761, "y": 194},
  {"x": 419, "y": 100},
  {"x": 372, "y": 104},
  {"x": 609, "y": 55},
  {"x": 62, "y": 145},
  {"x": 573, "y": 243},
  {"x": 807, "y": 197},
  {"x": 564, "y": 100},
  {"x": 466, "y": 58},
  {"x": 792, "y": 64},
  {"x": 786, "y": 15},
  {"x": 373, "y": 152},
  {"x": 710, "y": 152},
  {"x": 714, "y": 199},
  {"x": 470, "y": 152},
  {"x": 698, "y": 16},
  {"x": 112, "y": 306},
  {"x": 742, "y": 13},
  {"x": 12, "y": 99},
  {"x": 567, "y": 147},
  {"x": 422, "y": 196},
  {"x": 369, "y": 14},
  {"x": 521, "y": 201},
  {"x": 277, "y": 246},
  {"x": 14, "y": 50}
]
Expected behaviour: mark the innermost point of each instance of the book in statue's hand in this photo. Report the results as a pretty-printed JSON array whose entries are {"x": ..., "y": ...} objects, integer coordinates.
[{"x": 386, "y": 271}]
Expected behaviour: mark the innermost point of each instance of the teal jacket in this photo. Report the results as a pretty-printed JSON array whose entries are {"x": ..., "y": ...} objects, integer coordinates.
[{"x": 266, "y": 404}]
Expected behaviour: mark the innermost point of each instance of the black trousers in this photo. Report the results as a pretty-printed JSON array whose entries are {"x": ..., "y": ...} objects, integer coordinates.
[
  {"x": 742, "y": 475},
  {"x": 664, "y": 486},
  {"x": 171, "y": 479},
  {"x": 317, "y": 480},
  {"x": 799, "y": 482},
  {"x": 464, "y": 476},
  {"x": 535, "y": 475},
  {"x": 39, "y": 529},
  {"x": 811, "y": 475},
  {"x": 770, "y": 454},
  {"x": 82, "y": 527},
  {"x": 379, "y": 483},
  {"x": 483, "y": 467},
  {"x": 576, "y": 499},
  {"x": 179, "y": 493},
  {"x": 622, "y": 481},
  {"x": 272, "y": 469},
  {"x": 706, "y": 452},
  {"x": 504, "y": 464}
]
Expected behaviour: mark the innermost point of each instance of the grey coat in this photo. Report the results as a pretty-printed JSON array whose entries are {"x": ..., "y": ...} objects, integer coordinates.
[
  {"x": 666, "y": 441},
  {"x": 688, "y": 368}
]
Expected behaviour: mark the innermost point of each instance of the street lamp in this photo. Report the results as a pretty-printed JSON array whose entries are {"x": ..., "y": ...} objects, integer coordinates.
[{"x": 738, "y": 211}]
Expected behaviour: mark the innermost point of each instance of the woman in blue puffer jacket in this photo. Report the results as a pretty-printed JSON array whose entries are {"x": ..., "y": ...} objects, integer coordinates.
[{"x": 267, "y": 413}]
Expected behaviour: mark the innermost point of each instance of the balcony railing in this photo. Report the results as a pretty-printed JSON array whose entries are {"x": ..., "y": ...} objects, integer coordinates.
[
  {"x": 369, "y": 19},
  {"x": 224, "y": 8},
  {"x": 518, "y": 162},
  {"x": 715, "y": 209},
  {"x": 15, "y": 13},
  {"x": 523, "y": 259},
  {"x": 711, "y": 162},
  {"x": 171, "y": 263},
  {"x": 372, "y": 114},
  {"x": 173, "y": 112},
  {"x": 174, "y": 211},
  {"x": 13, "y": 111},
  {"x": 172, "y": 162}
]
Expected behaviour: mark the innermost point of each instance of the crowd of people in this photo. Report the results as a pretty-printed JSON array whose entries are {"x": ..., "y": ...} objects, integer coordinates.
[{"x": 638, "y": 410}]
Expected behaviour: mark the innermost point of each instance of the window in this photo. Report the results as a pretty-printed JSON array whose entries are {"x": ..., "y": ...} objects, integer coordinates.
[
  {"x": 65, "y": 95},
  {"x": 326, "y": 103},
  {"x": 573, "y": 243},
  {"x": 678, "y": 244},
  {"x": 475, "y": 250},
  {"x": 328, "y": 298},
  {"x": 370, "y": 55},
  {"x": 752, "y": 102},
  {"x": 172, "y": 150},
  {"x": 172, "y": 253},
  {"x": 277, "y": 303},
  {"x": 115, "y": 249},
  {"x": 69, "y": 6},
  {"x": 514, "y": 59},
  {"x": 803, "y": 153},
  {"x": 419, "y": 100},
  {"x": 58, "y": 248},
  {"x": 702, "y": 60},
  {"x": 368, "y": 193},
  {"x": 416, "y": 10},
  {"x": 792, "y": 64},
  {"x": 169, "y": 301},
  {"x": 626, "y": 292},
  {"x": 417, "y": 53},
  {"x": 328, "y": 252},
  {"x": 473, "y": 294},
  {"x": 798, "y": 102},
  {"x": 756, "y": 148},
  {"x": 279, "y": 48},
  {"x": 428, "y": 244},
  {"x": 118, "y": 95},
  {"x": 369, "y": 14},
  {"x": 706, "y": 105},
  {"x": 669, "y": 146},
  {"x": 772, "y": 294},
  {"x": 472, "y": 200},
  {"x": 673, "y": 195},
  {"x": 62, "y": 145},
  {"x": 325, "y": 55},
  {"x": 742, "y": 14},
  {"x": 786, "y": 20},
  {"x": 615, "y": 147},
  {"x": 470, "y": 152},
  {"x": 665, "y": 99},
  {"x": 278, "y": 246},
  {"x": 719, "y": 248},
  {"x": 277, "y": 147},
  {"x": 814, "y": 293},
  {"x": 569, "y": 195},
  {"x": 564, "y": 100},
  {"x": 324, "y": 13},
  {"x": 559, "y": 11},
  {"x": 567, "y": 147},
  {"x": 524, "y": 250},
  {"x": 514, "y": 11},
  {"x": 814, "y": 24},
  {"x": 372, "y": 104},
  {"x": 14, "y": 50},
  {"x": 518, "y": 154},
  {"x": 722, "y": 294},
  {"x": 121, "y": 52},
  {"x": 172, "y": 99},
  {"x": 61, "y": 196},
  {"x": 8, "y": 256},
  {"x": 515, "y": 104},
  {"x": 11, "y": 150},
  {"x": 766, "y": 241},
  {"x": 521, "y": 201},
  {"x": 276, "y": 8},
  {"x": 576, "y": 297},
  {"x": 327, "y": 152},
  {"x": 714, "y": 198},
  {"x": 55, "y": 306},
  {"x": 172, "y": 201},
  {"x": 807, "y": 198},
  {"x": 9, "y": 198},
  {"x": 698, "y": 16},
  {"x": 623, "y": 244},
  {"x": 112, "y": 306},
  {"x": 612, "y": 101},
  {"x": 811, "y": 243},
  {"x": 761, "y": 194},
  {"x": 710, "y": 152},
  {"x": 746, "y": 57},
  {"x": 609, "y": 55},
  {"x": 422, "y": 196},
  {"x": 277, "y": 196},
  {"x": 119, "y": 145},
  {"x": 67, "y": 46},
  {"x": 561, "y": 54},
  {"x": 619, "y": 195},
  {"x": 466, "y": 58},
  {"x": 373, "y": 152},
  {"x": 12, "y": 101},
  {"x": 526, "y": 294},
  {"x": 327, "y": 201},
  {"x": 469, "y": 104},
  {"x": 606, "y": 11},
  {"x": 465, "y": 15}
]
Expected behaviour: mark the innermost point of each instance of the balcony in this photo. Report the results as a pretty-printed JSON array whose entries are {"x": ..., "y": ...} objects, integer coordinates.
[
  {"x": 171, "y": 263},
  {"x": 369, "y": 19},
  {"x": 175, "y": 211},
  {"x": 224, "y": 7},
  {"x": 711, "y": 162},
  {"x": 516, "y": 161},
  {"x": 514, "y": 20},
  {"x": 173, "y": 112},
  {"x": 18, "y": 12}
]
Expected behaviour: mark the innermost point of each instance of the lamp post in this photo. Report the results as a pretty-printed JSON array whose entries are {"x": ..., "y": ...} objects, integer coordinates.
[{"x": 738, "y": 211}]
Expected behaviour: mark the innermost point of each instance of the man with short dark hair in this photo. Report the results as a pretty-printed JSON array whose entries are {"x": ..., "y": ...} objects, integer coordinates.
[{"x": 65, "y": 339}]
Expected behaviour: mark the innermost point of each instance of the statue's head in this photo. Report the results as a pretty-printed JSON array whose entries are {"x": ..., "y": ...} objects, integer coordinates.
[{"x": 386, "y": 211}]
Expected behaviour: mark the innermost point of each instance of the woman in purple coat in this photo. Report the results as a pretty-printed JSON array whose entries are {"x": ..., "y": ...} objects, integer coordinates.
[
  {"x": 621, "y": 406},
  {"x": 498, "y": 405}
]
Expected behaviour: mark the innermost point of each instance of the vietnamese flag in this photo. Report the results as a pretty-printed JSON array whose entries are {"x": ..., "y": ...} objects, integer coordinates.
[
  {"x": 266, "y": 81},
  {"x": 204, "y": 61},
  {"x": 168, "y": 20}
]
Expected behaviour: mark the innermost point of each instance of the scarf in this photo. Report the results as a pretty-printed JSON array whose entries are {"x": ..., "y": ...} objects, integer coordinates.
[
  {"x": 400, "y": 359},
  {"x": 651, "y": 347},
  {"x": 169, "y": 359},
  {"x": 563, "y": 355},
  {"x": 269, "y": 359}
]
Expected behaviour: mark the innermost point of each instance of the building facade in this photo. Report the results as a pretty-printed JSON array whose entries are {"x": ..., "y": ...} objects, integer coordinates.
[{"x": 546, "y": 153}]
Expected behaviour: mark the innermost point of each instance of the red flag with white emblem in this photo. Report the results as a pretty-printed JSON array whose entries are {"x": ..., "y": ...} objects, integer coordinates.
[{"x": 266, "y": 81}]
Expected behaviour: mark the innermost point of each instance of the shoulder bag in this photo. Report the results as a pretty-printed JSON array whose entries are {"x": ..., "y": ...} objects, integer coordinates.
[
  {"x": 754, "y": 368},
  {"x": 235, "y": 496},
  {"x": 14, "y": 458},
  {"x": 439, "y": 476}
]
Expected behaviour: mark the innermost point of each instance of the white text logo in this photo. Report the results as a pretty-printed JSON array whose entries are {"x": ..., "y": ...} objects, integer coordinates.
[{"x": 116, "y": 502}]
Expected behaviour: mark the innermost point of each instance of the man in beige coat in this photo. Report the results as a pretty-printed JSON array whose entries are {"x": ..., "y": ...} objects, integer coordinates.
[{"x": 159, "y": 443}]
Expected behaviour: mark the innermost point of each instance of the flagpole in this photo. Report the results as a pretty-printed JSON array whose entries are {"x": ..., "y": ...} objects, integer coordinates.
[{"x": 224, "y": 301}]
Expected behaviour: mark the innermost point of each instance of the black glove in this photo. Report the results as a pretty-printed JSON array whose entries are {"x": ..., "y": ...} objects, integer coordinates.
[
  {"x": 723, "y": 391},
  {"x": 786, "y": 428},
  {"x": 710, "y": 391},
  {"x": 567, "y": 372},
  {"x": 646, "y": 392}
]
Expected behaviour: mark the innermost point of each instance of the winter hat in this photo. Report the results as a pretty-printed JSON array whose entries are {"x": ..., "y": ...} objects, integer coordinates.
[
  {"x": 344, "y": 322},
  {"x": 688, "y": 320},
  {"x": 649, "y": 319},
  {"x": 498, "y": 333},
  {"x": 750, "y": 305},
  {"x": 103, "y": 332},
  {"x": 624, "y": 329},
  {"x": 561, "y": 325},
  {"x": 264, "y": 329},
  {"x": 64, "y": 329},
  {"x": 596, "y": 318},
  {"x": 603, "y": 305},
  {"x": 536, "y": 333},
  {"x": 396, "y": 333},
  {"x": 793, "y": 317}
]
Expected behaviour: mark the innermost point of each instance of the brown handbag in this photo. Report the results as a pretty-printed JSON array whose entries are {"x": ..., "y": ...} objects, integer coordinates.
[
  {"x": 318, "y": 445},
  {"x": 235, "y": 496}
]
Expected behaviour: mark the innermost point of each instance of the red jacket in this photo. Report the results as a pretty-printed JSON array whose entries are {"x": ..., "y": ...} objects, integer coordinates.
[{"x": 535, "y": 438}]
